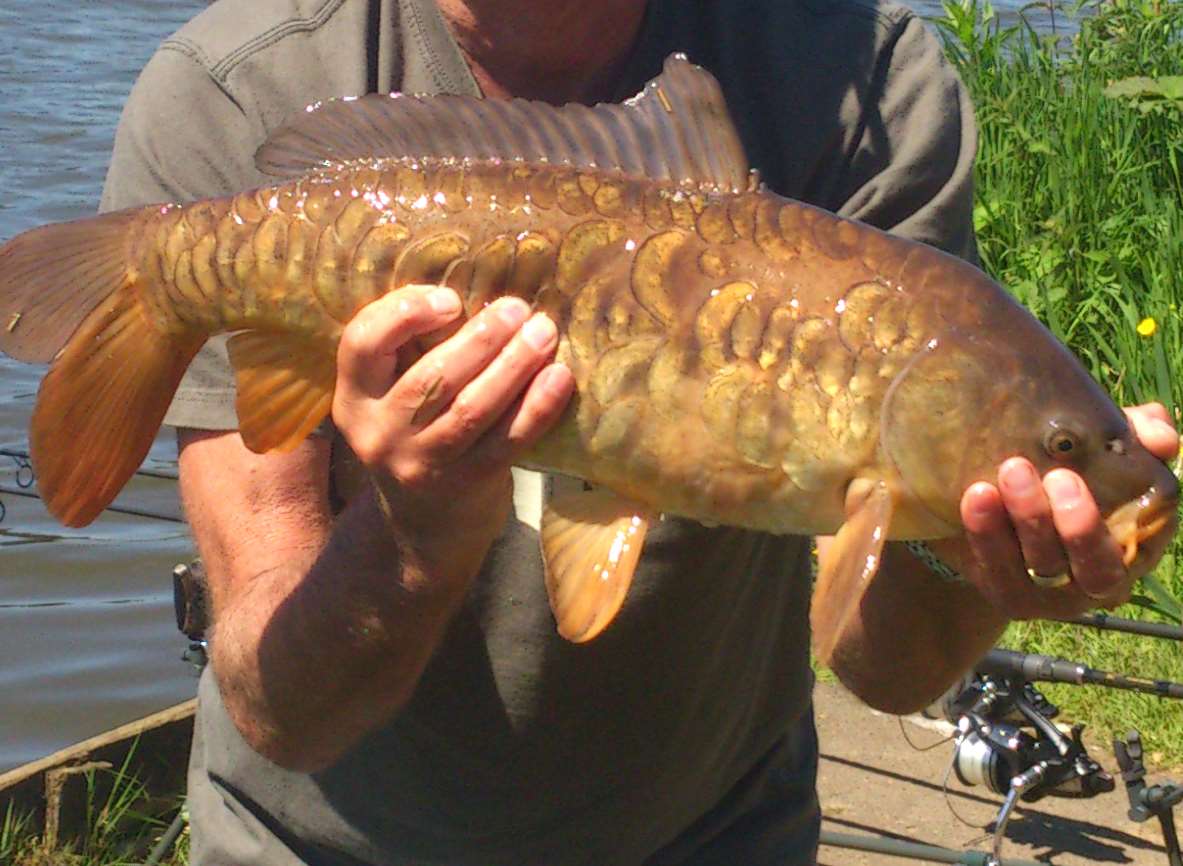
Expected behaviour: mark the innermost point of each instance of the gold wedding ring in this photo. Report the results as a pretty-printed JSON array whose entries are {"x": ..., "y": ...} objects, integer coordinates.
[{"x": 1048, "y": 581}]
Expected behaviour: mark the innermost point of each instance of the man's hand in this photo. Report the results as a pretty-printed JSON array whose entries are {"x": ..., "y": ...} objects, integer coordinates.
[
  {"x": 373, "y": 587},
  {"x": 1052, "y": 526},
  {"x": 1048, "y": 525},
  {"x": 439, "y": 433}
]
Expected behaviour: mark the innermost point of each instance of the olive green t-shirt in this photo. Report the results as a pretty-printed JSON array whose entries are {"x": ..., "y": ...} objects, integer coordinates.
[{"x": 683, "y": 734}]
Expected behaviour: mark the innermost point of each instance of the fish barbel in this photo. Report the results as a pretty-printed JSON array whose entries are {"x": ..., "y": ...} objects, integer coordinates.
[{"x": 739, "y": 358}]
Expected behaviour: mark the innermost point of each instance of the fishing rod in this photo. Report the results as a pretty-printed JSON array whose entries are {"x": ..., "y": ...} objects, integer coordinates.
[
  {"x": 117, "y": 509},
  {"x": 1106, "y": 622},
  {"x": 24, "y": 461},
  {"x": 1031, "y": 667},
  {"x": 914, "y": 851}
]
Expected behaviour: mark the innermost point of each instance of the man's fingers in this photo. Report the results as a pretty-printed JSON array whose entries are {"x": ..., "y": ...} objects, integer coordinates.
[
  {"x": 1093, "y": 554},
  {"x": 1031, "y": 513},
  {"x": 1152, "y": 425},
  {"x": 999, "y": 571},
  {"x": 994, "y": 547},
  {"x": 1150, "y": 410},
  {"x": 427, "y": 390},
  {"x": 1051, "y": 526},
  {"x": 367, "y": 357},
  {"x": 530, "y": 418},
  {"x": 490, "y": 395}
]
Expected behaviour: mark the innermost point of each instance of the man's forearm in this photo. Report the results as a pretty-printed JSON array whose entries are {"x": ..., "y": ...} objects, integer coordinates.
[
  {"x": 311, "y": 656},
  {"x": 913, "y": 635}
]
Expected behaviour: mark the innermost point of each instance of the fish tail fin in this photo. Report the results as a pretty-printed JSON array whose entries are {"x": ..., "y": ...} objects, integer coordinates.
[
  {"x": 51, "y": 277},
  {"x": 67, "y": 294},
  {"x": 101, "y": 405}
]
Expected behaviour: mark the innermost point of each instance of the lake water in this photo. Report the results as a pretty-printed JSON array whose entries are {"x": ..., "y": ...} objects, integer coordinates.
[{"x": 87, "y": 638}]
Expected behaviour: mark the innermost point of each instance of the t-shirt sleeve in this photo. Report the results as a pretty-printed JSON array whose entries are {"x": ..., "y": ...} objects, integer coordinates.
[
  {"x": 912, "y": 153},
  {"x": 183, "y": 137}
]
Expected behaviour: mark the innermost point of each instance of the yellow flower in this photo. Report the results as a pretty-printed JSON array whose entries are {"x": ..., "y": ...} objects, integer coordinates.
[{"x": 1147, "y": 327}]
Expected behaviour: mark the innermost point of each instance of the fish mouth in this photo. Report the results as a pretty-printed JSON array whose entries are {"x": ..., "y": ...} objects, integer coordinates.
[{"x": 1151, "y": 517}]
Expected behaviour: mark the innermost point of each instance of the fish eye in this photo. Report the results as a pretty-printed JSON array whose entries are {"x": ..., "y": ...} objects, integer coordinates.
[{"x": 1062, "y": 444}]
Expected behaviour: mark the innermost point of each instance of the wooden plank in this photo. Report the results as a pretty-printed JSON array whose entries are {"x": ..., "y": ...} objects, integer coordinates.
[{"x": 81, "y": 750}]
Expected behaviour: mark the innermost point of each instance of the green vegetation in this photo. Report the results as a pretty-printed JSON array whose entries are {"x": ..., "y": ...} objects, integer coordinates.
[
  {"x": 122, "y": 824},
  {"x": 1080, "y": 213}
]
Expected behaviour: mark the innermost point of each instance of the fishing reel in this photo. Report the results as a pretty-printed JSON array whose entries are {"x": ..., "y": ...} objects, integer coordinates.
[{"x": 1007, "y": 742}]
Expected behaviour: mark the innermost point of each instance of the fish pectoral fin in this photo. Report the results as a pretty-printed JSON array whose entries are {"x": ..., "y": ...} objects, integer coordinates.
[
  {"x": 285, "y": 388},
  {"x": 676, "y": 129},
  {"x": 850, "y": 562},
  {"x": 591, "y": 541}
]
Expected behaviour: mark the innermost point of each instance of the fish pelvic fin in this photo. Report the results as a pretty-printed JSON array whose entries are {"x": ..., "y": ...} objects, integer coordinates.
[
  {"x": 591, "y": 542},
  {"x": 677, "y": 129},
  {"x": 102, "y": 402},
  {"x": 850, "y": 563},
  {"x": 53, "y": 276},
  {"x": 285, "y": 388}
]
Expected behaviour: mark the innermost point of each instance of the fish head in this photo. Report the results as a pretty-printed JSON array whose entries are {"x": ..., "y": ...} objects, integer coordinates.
[
  {"x": 973, "y": 397},
  {"x": 1075, "y": 426}
]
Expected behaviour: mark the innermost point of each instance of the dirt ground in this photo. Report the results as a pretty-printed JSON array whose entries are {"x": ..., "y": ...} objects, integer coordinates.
[{"x": 872, "y": 781}]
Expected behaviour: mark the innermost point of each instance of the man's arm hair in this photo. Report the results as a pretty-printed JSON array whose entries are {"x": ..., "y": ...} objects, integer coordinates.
[{"x": 314, "y": 638}]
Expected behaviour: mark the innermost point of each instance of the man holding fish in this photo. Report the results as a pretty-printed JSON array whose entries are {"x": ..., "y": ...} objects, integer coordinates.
[{"x": 387, "y": 685}]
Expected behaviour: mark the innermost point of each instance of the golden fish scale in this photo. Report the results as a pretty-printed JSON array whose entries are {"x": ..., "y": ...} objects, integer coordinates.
[{"x": 727, "y": 348}]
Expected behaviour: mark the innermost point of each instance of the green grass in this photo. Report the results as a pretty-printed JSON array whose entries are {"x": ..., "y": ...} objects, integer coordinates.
[
  {"x": 1079, "y": 212},
  {"x": 122, "y": 824}
]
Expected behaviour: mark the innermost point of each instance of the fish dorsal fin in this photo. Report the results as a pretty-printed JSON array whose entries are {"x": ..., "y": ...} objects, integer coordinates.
[
  {"x": 591, "y": 541},
  {"x": 285, "y": 388},
  {"x": 677, "y": 128},
  {"x": 849, "y": 565}
]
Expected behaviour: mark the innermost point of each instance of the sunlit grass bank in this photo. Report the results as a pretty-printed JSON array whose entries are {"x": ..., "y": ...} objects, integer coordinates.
[
  {"x": 1080, "y": 213},
  {"x": 122, "y": 821}
]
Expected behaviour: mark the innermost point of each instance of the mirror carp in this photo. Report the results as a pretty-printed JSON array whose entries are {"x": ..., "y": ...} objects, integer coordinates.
[{"x": 740, "y": 358}]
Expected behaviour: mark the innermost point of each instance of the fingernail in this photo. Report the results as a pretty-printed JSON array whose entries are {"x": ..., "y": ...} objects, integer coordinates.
[
  {"x": 1062, "y": 487},
  {"x": 443, "y": 301},
  {"x": 1163, "y": 429},
  {"x": 982, "y": 509},
  {"x": 554, "y": 379},
  {"x": 512, "y": 311},
  {"x": 1019, "y": 478},
  {"x": 539, "y": 332},
  {"x": 982, "y": 500}
]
